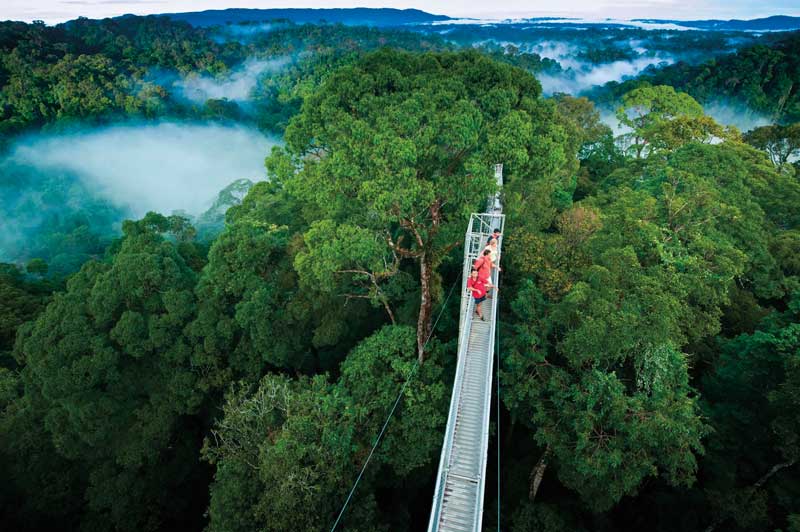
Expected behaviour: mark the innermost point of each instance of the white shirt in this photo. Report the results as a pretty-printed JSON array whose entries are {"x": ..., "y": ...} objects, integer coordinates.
[{"x": 492, "y": 253}]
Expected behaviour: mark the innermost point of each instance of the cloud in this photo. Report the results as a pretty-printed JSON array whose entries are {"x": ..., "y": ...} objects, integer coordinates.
[
  {"x": 732, "y": 114},
  {"x": 162, "y": 167},
  {"x": 111, "y": 2},
  {"x": 562, "y": 52},
  {"x": 582, "y": 76},
  {"x": 609, "y": 118},
  {"x": 237, "y": 86},
  {"x": 577, "y": 75},
  {"x": 246, "y": 30}
]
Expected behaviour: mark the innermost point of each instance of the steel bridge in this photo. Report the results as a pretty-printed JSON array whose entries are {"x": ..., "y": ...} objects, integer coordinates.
[{"x": 460, "y": 483}]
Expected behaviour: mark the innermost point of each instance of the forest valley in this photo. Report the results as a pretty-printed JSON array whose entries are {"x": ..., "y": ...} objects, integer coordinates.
[{"x": 229, "y": 370}]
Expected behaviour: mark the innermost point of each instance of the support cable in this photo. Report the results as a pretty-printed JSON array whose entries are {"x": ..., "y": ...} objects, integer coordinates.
[
  {"x": 396, "y": 402},
  {"x": 497, "y": 353}
]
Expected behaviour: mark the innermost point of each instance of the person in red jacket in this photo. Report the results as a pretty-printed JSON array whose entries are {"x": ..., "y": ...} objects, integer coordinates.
[
  {"x": 484, "y": 265},
  {"x": 477, "y": 286}
]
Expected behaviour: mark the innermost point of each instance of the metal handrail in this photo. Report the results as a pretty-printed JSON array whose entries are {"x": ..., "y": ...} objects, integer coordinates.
[
  {"x": 473, "y": 245},
  {"x": 487, "y": 411},
  {"x": 480, "y": 227},
  {"x": 447, "y": 446}
]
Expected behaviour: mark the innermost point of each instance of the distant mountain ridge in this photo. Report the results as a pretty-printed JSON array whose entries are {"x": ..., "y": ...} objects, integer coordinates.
[
  {"x": 349, "y": 16},
  {"x": 389, "y": 17},
  {"x": 774, "y": 23}
]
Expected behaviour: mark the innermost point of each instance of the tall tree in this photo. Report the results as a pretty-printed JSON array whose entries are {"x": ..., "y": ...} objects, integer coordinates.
[
  {"x": 663, "y": 119},
  {"x": 398, "y": 149},
  {"x": 751, "y": 399},
  {"x": 20, "y": 300},
  {"x": 251, "y": 301},
  {"x": 618, "y": 290},
  {"x": 782, "y": 143},
  {"x": 109, "y": 367},
  {"x": 288, "y": 450}
]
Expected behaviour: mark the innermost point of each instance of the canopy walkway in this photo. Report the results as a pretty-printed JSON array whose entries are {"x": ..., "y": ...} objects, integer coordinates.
[{"x": 458, "y": 497}]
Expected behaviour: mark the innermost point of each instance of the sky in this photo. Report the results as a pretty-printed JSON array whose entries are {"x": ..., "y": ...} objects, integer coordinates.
[{"x": 54, "y": 11}]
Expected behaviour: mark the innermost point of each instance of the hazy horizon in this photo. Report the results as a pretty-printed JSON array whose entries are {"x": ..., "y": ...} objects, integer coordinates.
[{"x": 55, "y": 11}]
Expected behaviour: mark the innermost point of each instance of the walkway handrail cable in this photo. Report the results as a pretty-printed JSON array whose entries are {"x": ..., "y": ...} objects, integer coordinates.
[
  {"x": 391, "y": 412},
  {"x": 497, "y": 370}
]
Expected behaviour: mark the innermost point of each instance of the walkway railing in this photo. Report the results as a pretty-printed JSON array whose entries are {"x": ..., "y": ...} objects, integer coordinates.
[{"x": 460, "y": 484}]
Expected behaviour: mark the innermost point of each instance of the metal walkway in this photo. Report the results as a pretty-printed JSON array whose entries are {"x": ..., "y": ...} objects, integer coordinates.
[{"x": 458, "y": 497}]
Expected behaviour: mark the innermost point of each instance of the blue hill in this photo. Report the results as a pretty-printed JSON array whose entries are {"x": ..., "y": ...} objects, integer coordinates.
[
  {"x": 775, "y": 23},
  {"x": 354, "y": 16}
]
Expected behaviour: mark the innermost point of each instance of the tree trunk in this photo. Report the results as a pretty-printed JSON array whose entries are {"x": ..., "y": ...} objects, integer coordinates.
[
  {"x": 425, "y": 305},
  {"x": 537, "y": 474},
  {"x": 782, "y": 102},
  {"x": 424, "y": 327}
]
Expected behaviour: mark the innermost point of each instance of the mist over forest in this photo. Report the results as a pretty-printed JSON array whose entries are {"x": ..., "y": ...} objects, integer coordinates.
[
  {"x": 162, "y": 167},
  {"x": 213, "y": 111},
  {"x": 229, "y": 240},
  {"x": 236, "y": 86}
]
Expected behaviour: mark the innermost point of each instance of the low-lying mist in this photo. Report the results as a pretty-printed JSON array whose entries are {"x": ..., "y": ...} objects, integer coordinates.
[
  {"x": 236, "y": 86},
  {"x": 161, "y": 167},
  {"x": 63, "y": 196},
  {"x": 245, "y": 32},
  {"x": 585, "y": 76},
  {"x": 576, "y": 74},
  {"x": 724, "y": 113},
  {"x": 733, "y": 114}
]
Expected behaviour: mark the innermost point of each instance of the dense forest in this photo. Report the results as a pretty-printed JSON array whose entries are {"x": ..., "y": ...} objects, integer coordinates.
[
  {"x": 759, "y": 77},
  {"x": 231, "y": 371}
]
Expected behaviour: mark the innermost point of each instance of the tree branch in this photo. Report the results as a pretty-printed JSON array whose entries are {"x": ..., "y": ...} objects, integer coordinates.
[
  {"x": 404, "y": 252},
  {"x": 538, "y": 473},
  {"x": 760, "y": 482},
  {"x": 382, "y": 300}
]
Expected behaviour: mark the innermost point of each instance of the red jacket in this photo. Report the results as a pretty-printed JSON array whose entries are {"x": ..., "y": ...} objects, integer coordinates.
[
  {"x": 479, "y": 287},
  {"x": 484, "y": 266}
]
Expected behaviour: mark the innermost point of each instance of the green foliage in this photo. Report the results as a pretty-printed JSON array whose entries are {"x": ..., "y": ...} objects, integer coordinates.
[
  {"x": 544, "y": 517},
  {"x": 98, "y": 70},
  {"x": 662, "y": 119},
  {"x": 92, "y": 70},
  {"x": 626, "y": 280},
  {"x": 56, "y": 218},
  {"x": 247, "y": 306},
  {"x": 40, "y": 485},
  {"x": 391, "y": 154},
  {"x": 323, "y": 49},
  {"x": 587, "y": 130},
  {"x": 303, "y": 452},
  {"x": 649, "y": 304},
  {"x": 511, "y": 54},
  {"x": 612, "y": 403},
  {"x": 252, "y": 301},
  {"x": 372, "y": 375},
  {"x": 780, "y": 142},
  {"x": 288, "y": 446},
  {"x": 36, "y": 267},
  {"x": 109, "y": 365},
  {"x": 751, "y": 399},
  {"x": 647, "y": 106},
  {"x": 760, "y": 78},
  {"x": 20, "y": 301}
]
